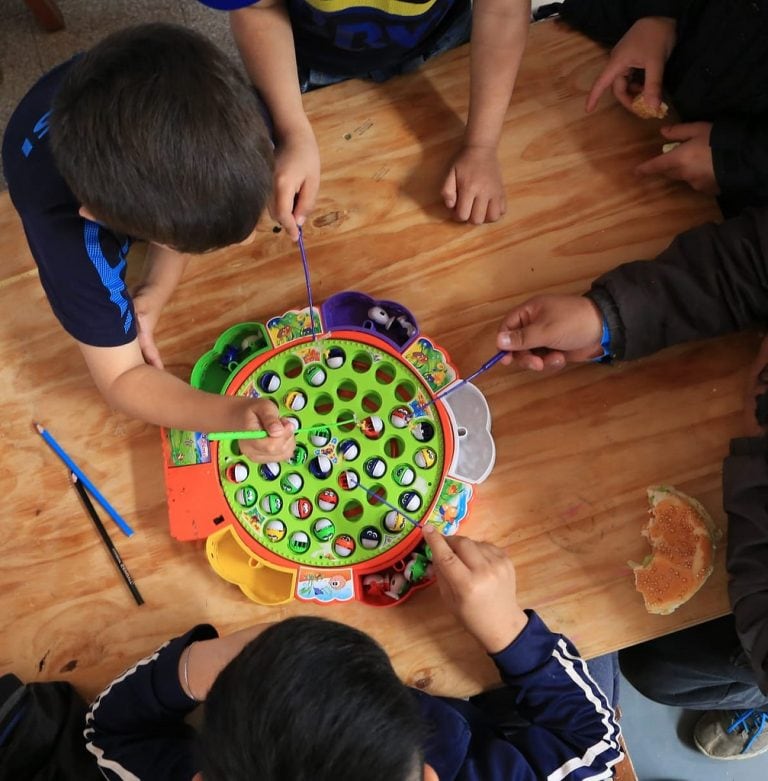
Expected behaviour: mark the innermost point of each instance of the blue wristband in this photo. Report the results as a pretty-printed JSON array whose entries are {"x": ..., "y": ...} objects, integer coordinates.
[{"x": 605, "y": 344}]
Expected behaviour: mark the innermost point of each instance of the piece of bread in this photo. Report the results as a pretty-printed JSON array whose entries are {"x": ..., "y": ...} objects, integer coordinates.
[
  {"x": 644, "y": 111},
  {"x": 683, "y": 536}
]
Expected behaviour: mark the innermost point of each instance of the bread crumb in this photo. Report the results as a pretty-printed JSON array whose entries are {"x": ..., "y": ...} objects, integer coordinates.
[{"x": 644, "y": 111}]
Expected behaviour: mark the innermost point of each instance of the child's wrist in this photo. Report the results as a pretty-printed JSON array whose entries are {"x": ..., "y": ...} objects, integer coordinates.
[
  {"x": 504, "y": 634},
  {"x": 604, "y": 354}
]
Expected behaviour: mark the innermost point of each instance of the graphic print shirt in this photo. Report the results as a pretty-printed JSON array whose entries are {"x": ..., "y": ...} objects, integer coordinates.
[
  {"x": 353, "y": 36},
  {"x": 82, "y": 264}
]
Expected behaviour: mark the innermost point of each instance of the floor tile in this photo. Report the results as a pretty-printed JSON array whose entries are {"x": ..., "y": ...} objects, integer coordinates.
[{"x": 660, "y": 744}]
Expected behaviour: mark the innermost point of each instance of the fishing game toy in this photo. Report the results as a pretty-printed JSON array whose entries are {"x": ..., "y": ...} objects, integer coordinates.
[{"x": 375, "y": 460}]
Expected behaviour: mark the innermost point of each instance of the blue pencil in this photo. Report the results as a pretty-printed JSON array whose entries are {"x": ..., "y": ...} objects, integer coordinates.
[{"x": 56, "y": 447}]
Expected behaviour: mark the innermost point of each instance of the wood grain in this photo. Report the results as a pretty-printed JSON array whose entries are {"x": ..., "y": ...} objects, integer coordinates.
[{"x": 575, "y": 451}]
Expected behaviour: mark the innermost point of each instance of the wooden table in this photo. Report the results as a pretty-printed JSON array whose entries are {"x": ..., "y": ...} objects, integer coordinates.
[{"x": 575, "y": 451}]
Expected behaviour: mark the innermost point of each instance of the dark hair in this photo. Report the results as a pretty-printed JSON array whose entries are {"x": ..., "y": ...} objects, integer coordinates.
[
  {"x": 311, "y": 700},
  {"x": 158, "y": 134}
]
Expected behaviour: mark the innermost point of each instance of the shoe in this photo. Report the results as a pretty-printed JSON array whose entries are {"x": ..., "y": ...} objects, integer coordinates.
[{"x": 725, "y": 734}]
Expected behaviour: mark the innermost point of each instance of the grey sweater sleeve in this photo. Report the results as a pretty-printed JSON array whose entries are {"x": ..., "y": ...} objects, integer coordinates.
[
  {"x": 711, "y": 280},
  {"x": 745, "y": 498}
]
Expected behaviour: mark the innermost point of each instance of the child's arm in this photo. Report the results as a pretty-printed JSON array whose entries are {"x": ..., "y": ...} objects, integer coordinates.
[
  {"x": 148, "y": 393},
  {"x": 264, "y": 36},
  {"x": 711, "y": 280},
  {"x": 573, "y": 732},
  {"x": 163, "y": 269},
  {"x": 473, "y": 189},
  {"x": 135, "y": 728}
]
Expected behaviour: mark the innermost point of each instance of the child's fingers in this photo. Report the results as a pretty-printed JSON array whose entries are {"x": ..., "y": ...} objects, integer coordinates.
[
  {"x": 518, "y": 317},
  {"x": 305, "y": 201},
  {"x": 621, "y": 91},
  {"x": 269, "y": 418},
  {"x": 684, "y": 131},
  {"x": 479, "y": 213},
  {"x": 602, "y": 82},
  {"x": 465, "y": 202},
  {"x": 654, "y": 73},
  {"x": 450, "y": 188},
  {"x": 284, "y": 198},
  {"x": 554, "y": 360},
  {"x": 447, "y": 564},
  {"x": 661, "y": 164},
  {"x": 526, "y": 360},
  {"x": 526, "y": 337}
]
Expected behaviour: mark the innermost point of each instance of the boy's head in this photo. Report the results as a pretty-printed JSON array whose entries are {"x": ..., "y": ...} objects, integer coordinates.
[
  {"x": 311, "y": 699},
  {"x": 160, "y": 137}
]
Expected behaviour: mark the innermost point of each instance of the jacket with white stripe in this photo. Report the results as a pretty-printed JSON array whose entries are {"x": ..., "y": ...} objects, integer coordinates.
[{"x": 136, "y": 727}]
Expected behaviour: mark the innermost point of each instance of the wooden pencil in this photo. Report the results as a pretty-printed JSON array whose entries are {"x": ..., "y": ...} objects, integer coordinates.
[{"x": 119, "y": 563}]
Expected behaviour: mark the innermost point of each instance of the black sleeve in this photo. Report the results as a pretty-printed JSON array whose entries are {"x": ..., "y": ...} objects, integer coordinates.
[
  {"x": 711, "y": 280},
  {"x": 745, "y": 497},
  {"x": 740, "y": 159},
  {"x": 606, "y": 21}
]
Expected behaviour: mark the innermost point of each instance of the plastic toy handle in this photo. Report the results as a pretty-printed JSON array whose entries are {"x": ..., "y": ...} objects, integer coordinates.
[
  {"x": 260, "y": 434},
  {"x": 225, "y": 436}
]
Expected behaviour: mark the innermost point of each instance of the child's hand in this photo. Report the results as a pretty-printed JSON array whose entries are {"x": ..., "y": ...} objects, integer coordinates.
[
  {"x": 478, "y": 585},
  {"x": 646, "y": 46},
  {"x": 262, "y": 414},
  {"x": 562, "y": 328},
  {"x": 297, "y": 180},
  {"x": 691, "y": 161},
  {"x": 473, "y": 189}
]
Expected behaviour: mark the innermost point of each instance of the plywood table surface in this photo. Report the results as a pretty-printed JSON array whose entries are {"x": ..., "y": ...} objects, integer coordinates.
[{"x": 575, "y": 450}]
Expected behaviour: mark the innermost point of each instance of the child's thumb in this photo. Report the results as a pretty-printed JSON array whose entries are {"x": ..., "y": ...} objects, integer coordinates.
[{"x": 527, "y": 337}]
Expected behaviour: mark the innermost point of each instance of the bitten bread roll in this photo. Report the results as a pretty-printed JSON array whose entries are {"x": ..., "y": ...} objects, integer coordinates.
[
  {"x": 682, "y": 535},
  {"x": 644, "y": 111}
]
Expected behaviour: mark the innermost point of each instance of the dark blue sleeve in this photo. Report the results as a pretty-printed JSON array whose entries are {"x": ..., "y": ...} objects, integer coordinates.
[
  {"x": 82, "y": 264},
  {"x": 135, "y": 728},
  {"x": 571, "y": 734}
]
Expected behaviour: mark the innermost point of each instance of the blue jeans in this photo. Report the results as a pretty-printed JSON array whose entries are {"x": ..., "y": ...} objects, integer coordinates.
[
  {"x": 605, "y": 672},
  {"x": 702, "y": 668}
]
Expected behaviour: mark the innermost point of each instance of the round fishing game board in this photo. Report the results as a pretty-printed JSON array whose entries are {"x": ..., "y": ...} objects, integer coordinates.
[{"x": 342, "y": 519}]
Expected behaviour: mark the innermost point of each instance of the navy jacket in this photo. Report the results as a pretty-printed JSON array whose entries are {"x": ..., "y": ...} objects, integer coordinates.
[{"x": 136, "y": 728}]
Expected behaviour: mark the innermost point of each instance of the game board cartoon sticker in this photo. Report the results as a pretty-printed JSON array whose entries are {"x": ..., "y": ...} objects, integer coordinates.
[
  {"x": 188, "y": 447},
  {"x": 315, "y": 585},
  {"x": 292, "y": 325},
  {"x": 451, "y": 506},
  {"x": 430, "y": 362}
]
